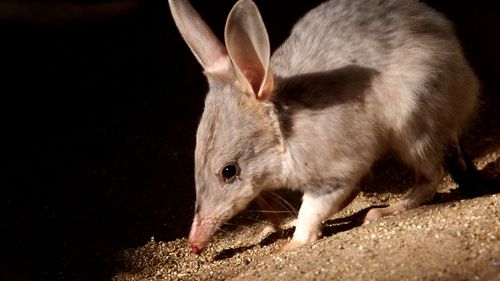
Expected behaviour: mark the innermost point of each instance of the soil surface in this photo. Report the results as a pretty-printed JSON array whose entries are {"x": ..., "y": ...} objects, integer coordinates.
[
  {"x": 447, "y": 239},
  {"x": 450, "y": 238}
]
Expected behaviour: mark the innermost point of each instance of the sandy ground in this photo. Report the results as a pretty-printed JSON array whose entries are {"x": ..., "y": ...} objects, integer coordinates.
[
  {"x": 450, "y": 238},
  {"x": 100, "y": 119}
]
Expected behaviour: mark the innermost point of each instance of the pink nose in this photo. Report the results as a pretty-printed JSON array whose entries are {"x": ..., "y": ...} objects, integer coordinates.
[
  {"x": 196, "y": 248},
  {"x": 201, "y": 233}
]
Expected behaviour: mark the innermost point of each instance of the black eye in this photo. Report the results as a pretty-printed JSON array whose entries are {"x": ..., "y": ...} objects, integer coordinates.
[{"x": 230, "y": 173}]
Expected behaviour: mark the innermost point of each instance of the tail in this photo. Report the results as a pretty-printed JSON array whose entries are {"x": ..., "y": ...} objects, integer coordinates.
[{"x": 465, "y": 174}]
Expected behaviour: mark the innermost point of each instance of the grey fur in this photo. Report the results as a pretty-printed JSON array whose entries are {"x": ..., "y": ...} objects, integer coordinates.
[{"x": 354, "y": 80}]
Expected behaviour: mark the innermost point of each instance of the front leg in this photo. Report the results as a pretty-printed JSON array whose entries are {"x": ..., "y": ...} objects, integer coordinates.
[
  {"x": 269, "y": 204},
  {"x": 316, "y": 207}
]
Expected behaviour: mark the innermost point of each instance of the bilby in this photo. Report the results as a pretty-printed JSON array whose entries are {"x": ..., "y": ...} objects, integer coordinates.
[{"x": 354, "y": 80}]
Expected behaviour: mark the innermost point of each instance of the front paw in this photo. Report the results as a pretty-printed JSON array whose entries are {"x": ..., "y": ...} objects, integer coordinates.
[
  {"x": 268, "y": 230},
  {"x": 290, "y": 224},
  {"x": 293, "y": 244},
  {"x": 273, "y": 228},
  {"x": 300, "y": 240}
]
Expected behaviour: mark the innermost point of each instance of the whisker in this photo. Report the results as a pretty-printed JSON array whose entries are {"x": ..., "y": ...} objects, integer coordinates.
[
  {"x": 221, "y": 229},
  {"x": 255, "y": 219},
  {"x": 283, "y": 202},
  {"x": 269, "y": 212}
]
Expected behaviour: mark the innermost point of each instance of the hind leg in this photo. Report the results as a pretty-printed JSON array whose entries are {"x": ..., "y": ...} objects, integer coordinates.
[
  {"x": 423, "y": 190},
  {"x": 463, "y": 171},
  {"x": 428, "y": 168}
]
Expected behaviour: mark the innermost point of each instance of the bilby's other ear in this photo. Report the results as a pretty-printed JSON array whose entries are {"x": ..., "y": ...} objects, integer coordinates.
[
  {"x": 208, "y": 50},
  {"x": 248, "y": 46}
]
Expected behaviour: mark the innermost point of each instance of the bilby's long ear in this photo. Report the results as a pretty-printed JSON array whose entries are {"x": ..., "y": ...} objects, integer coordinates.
[
  {"x": 248, "y": 46},
  {"x": 208, "y": 50}
]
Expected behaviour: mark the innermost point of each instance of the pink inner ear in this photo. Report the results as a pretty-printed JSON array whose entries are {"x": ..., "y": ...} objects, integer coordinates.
[{"x": 255, "y": 78}]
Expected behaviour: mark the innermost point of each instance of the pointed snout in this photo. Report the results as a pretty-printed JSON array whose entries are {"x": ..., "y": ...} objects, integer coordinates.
[
  {"x": 201, "y": 233},
  {"x": 197, "y": 247}
]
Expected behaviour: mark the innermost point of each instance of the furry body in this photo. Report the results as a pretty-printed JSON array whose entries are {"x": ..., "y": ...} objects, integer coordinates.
[{"x": 354, "y": 80}]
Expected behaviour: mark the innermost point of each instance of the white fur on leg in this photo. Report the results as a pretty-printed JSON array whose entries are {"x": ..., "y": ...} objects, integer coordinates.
[{"x": 314, "y": 209}]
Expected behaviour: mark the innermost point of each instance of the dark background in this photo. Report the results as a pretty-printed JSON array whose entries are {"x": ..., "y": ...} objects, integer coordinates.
[{"x": 98, "y": 123}]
